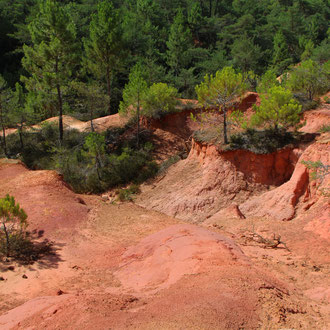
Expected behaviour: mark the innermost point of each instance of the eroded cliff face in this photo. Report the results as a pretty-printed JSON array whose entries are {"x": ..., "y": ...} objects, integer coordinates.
[
  {"x": 299, "y": 193},
  {"x": 267, "y": 169},
  {"x": 209, "y": 180}
]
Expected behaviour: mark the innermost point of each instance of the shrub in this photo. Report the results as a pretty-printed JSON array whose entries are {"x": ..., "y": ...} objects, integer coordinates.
[
  {"x": 128, "y": 193},
  {"x": 13, "y": 226},
  {"x": 261, "y": 141},
  {"x": 159, "y": 100},
  {"x": 325, "y": 128}
]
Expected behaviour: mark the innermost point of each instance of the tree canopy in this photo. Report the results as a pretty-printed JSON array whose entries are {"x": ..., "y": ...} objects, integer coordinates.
[{"x": 221, "y": 90}]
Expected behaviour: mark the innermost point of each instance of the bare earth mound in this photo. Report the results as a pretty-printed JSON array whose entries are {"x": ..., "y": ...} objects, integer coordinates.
[
  {"x": 181, "y": 277},
  {"x": 51, "y": 206}
]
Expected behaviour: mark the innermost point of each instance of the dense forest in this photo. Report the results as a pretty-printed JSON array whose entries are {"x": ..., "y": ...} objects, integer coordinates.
[
  {"x": 178, "y": 41},
  {"x": 92, "y": 58}
]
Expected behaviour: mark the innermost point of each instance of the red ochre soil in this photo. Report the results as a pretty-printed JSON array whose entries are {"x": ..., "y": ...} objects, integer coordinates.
[{"x": 121, "y": 266}]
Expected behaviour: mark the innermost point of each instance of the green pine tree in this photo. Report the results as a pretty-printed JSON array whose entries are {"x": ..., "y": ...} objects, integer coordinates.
[
  {"x": 178, "y": 44},
  {"x": 221, "y": 90},
  {"x": 53, "y": 53},
  {"x": 133, "y": 95},
  {"x": 277, "y": 109},
  {"x": 104, "y": 46},
  {"x": 4, "y": 109},
  {"x": 281, "y": 57}
]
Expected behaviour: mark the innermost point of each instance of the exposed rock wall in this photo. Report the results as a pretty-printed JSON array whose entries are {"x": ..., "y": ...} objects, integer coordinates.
[
  {"x": 208, "y": 180},
  {"x": 298, "y": 193}
]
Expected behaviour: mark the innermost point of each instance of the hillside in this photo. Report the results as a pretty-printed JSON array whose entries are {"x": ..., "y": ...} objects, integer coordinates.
[{"x": 243, "y": 232}]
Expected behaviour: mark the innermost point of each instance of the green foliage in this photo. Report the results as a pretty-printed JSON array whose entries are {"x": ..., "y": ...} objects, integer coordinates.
[
  {"x": 104, "y": 45},
  {"x": 309, "y": 79},
  {"x": 325, "y": 128},
  {"x": 179, "y": 44},
  {"x": 128, "y": 193},
  {"x": 245, "y": 54},
  {"x": 267, "y": 81},
  {"x": 261, "y": 141},
  {"x": 281, "y": 56},
  {"x": 13, "y": 225},
  {"x": 53, "y": 53},
  {"x": 159, "y": 100},
  {"x": 277, "y": 109},
  {"x": 318, "y": 173},
  {"x": 221, "y": 90}
]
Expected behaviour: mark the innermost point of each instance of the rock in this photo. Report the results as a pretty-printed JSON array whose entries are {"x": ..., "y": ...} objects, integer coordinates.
[
  {"x": 24, "y": 276},
  {"x": 209, "y": 180},
  {"x": 1, "y": 278},
  {"x": 12, "y": 268},
  {"x": 105, "y": 198},
  {"x": 281, "y": 203}
]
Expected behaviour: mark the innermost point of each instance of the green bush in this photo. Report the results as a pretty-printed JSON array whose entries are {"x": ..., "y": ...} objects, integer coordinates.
[
  {"x": 261, "y": 141},
  {"x": 128, "y": 193},
  {"x": 324, "y": 129},
  {"x": 159, "y": 100},
  {"x": 88, "y": 162},
  {"x": 208, "y": 135}
]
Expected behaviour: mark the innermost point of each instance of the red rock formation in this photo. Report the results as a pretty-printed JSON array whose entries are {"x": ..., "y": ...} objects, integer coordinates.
[
  {"x": 282, "y": 202},
  {"x": 209, "y": 180}
]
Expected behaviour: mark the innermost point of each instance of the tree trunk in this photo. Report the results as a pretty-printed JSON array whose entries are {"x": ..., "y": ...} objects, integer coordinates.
[
  {"x": 7, "y": 240},
  {"x": 138, "y": 122},
  {"x": 60, "y": 110},
  {"x": 4, "y": 144},
  {"x": 91, "y": 109},
  {"x": 109, "y": 89},
  {"x": 225, "y": 138},
  {"x": 60, "y": 104},
  {"x": 20, "y": 132}
]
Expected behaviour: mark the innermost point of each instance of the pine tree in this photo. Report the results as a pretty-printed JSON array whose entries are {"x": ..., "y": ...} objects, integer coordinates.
[
  {"x": 309, "y": 79},
  {"x": 4, "y": 118},
  {"x": 277, "y": 109},
  {"x": 245, "y": 54},
  {"x": 53, "y": 54},
  {"x": 133, "y": 95},
  {"x": 221, "y": 90},
  {"x": 104, "y": 45},
  {"x": 13, "y": 223},
  {"x": 281, "y": 57},
  {"x": 178, "y": 44},
  {"x": 20, "y": 115}
]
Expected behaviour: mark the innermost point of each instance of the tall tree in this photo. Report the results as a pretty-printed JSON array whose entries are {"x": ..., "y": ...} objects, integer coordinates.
[
  {"x": 245, "y": 54},
  {"x": 179, "y": 43},
  {"x": 277, "y": 109},
  {"x": 133, "y": 95},
  {"x": 281, "y": 56},
  {"x": 309, "y": 79},
  {"x": 221, "y": 90},
  {"x": 53, "y": 54},
  {"x": 4, "y": 99},
  {"x": 20, "y": 115},
  {"x": 104, "y": 45}
]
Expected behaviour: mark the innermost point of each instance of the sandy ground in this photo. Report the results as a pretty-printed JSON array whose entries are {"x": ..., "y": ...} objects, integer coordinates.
[{"x": 121, "y": 266}]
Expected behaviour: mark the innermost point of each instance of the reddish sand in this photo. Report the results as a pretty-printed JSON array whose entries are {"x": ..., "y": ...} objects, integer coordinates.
[{"x": 122, "y": 266}]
